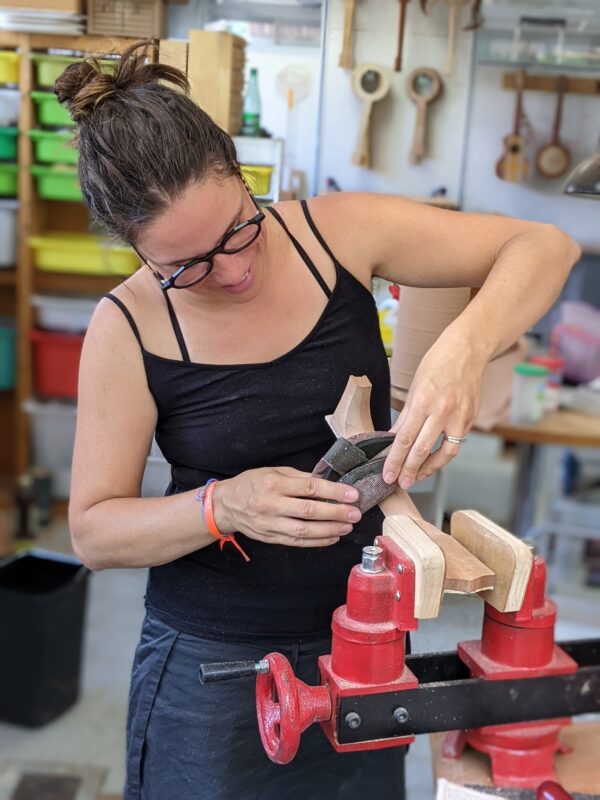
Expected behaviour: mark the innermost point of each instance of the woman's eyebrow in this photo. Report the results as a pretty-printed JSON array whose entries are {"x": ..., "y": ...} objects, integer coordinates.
[{"x": 178, "y": 261}]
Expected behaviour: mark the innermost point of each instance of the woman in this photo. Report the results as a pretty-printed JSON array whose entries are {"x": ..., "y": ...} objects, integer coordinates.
[{"x": 231, "y": 342}]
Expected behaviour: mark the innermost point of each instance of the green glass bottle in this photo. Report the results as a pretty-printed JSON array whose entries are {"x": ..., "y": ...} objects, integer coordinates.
[{"x": 251, "y": 113}]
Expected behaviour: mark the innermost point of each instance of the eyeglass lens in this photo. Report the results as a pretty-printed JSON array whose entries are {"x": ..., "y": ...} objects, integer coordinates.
[{"x": 237, "y": 242}]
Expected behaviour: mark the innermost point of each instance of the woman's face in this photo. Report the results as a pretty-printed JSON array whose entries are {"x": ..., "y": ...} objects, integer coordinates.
[{"x": 194, "y": 224}]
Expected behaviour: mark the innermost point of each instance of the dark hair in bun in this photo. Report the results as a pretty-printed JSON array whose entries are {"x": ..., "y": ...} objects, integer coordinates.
[{"x": 142, "y": 140}]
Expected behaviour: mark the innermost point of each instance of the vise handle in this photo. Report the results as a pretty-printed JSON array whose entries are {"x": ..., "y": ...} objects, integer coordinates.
[{"x": 228, "y": 670}]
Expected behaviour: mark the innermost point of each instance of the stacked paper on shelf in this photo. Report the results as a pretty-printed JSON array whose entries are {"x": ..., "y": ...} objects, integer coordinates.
[{"x": 32, "y": 20}]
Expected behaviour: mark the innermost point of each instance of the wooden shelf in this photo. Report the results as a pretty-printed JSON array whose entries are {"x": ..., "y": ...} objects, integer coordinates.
[
  {"x": 74, "y": 283},
  {"x": 8, "y": 277},
  {"x": 37, "y": 216}
]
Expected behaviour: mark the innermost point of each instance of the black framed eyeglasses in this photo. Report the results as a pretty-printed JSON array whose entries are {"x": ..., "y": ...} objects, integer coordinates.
[{"x": 195, "y": 270}]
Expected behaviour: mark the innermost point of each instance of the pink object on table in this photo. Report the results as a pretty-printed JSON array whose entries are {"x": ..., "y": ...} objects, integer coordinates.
[{"x": 576, "y": 338}]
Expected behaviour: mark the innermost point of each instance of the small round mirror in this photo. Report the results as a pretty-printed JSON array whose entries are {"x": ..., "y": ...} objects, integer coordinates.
[{"x": 370, "y": 81}]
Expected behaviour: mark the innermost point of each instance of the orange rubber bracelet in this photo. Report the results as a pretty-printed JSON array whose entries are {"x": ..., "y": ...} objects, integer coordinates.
[{"x": 211, "y": 524}]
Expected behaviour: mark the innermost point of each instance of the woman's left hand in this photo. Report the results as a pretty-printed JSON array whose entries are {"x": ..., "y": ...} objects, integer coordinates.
[{"x": 443, "y": 399}]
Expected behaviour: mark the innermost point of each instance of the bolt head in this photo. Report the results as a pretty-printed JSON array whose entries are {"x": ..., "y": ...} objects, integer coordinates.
[
  {"x": 401, "y": 715},
  {"x": 352, "y": 720},
  {"x": 399, "y": 568},
  {"x": 397, "y": 596}
]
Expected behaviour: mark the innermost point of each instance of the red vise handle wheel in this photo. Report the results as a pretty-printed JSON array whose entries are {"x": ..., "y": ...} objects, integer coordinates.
[
  {"x": 549, "y": 790},
  {"x": 285, "y": 707}
]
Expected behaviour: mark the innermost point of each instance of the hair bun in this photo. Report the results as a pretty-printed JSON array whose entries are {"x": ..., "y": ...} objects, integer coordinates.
[{"x": 87, "y": 84}]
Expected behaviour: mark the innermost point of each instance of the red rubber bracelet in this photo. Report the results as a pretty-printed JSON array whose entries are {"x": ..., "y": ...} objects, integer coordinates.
[{"x": 211, "y": 524}]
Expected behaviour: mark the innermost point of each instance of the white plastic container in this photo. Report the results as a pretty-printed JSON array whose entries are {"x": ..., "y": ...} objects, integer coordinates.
[
  {"x": 9, "y": 107},
  {"x": 8, "y": 233},
  {"x": 70, "y": 314},
  {"x": 53, "y": 435},
  {"x": 528, "y": 393}
]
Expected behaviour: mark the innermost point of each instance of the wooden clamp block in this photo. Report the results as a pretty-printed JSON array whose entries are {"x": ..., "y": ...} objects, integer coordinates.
[
  {"x": 465, "y": 574},
  {"x": 509, "y": 557},
  {"x": 429, "y": 561}
]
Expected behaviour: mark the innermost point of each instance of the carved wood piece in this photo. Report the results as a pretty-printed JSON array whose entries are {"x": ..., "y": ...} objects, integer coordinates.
[
  {"x": 465, "y": 573},
  {"x": 509, "y": 557},
  {"x": 347, "y": 56},
  {"x": 429, "y": 561},
  {"x": 424, "y": 86}
]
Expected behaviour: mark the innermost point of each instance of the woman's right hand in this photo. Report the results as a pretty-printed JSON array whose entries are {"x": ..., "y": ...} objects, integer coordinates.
[{"x": 282, "y": 505}]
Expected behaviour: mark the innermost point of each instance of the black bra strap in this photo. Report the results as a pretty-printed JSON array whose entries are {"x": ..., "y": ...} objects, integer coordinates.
[
  {"x": 302, "y": 252},
  {"x": 176, "y": 328},
  {"x": 128, "y": 317},
  {"x": 317, "y": 232}
]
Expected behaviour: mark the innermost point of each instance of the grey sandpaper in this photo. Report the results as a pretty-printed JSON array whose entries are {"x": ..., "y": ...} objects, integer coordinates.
[{"x": 525, "y": 794}]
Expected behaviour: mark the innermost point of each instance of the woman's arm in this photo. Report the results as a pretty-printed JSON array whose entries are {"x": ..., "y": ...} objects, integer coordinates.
[
  {"x": 519, "y": 266},
  {"x": 111, "y": 526}
]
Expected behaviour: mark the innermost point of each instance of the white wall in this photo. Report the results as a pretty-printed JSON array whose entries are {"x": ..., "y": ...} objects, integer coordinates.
[
  {"x": 538, "y": 199},
  {"x": 299, "y": 126},
  {"x": 376, "y": 25}
]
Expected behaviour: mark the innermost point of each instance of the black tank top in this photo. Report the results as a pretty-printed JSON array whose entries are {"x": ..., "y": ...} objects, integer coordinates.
[{"x": 217, "y": 421}]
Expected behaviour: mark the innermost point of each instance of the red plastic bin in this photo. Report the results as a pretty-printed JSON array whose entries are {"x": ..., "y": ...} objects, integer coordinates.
[{"x": 56, "y": 362}]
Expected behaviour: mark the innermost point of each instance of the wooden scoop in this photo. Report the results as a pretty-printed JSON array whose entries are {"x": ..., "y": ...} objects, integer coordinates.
[
  {"x": 424, "y": 86},
  {"x": 554, "y": 159},
  {"x": 371, "y": 83}
]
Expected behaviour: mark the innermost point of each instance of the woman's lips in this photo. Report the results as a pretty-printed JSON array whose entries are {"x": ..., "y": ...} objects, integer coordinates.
[{"x": 244, "y": 284}]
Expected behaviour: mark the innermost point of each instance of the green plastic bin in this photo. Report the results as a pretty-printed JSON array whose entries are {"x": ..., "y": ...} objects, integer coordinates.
[
  {"x": 9, "y": 179},
  {"x": 8, "y": 336},
  {"x": 57, "y": 182},
  {"x": 48, "y": 68},
  {"x": 9, "y": 139},
  {"x": 50, "y": 112},
  {"x": 53, "y": 147}
]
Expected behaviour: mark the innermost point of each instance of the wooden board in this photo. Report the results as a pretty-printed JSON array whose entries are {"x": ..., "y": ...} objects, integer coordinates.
[
  {"x": 509, "y": 557},
  {"x": 429, "y": 561},
  {"x": 464, "y": 572},
  {"x": 174, "y": 53},
  {"x": 578, "y": 771}
]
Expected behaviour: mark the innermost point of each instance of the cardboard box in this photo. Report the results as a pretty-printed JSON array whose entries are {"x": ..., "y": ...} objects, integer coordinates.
[{"x": 70, "y": 6}]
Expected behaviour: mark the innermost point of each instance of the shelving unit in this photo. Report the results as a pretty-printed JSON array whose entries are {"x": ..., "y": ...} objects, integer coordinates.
[{"x": 37, "y": 216}]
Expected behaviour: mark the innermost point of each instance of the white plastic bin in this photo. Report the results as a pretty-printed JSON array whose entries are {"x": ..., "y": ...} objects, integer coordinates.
[
  {"x": 9, "y": 108},
  {"x": 8, "y": 233},
  {"x": 70, "y": 314},
  {"x": 53, "y": 434},
  {"x": 157, "y": 476}
]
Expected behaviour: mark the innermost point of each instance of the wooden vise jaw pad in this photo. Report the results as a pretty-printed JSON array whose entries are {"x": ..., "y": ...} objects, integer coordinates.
[
  {"x": 429, "y": 561},
  {"x": 509, "y": 557}
]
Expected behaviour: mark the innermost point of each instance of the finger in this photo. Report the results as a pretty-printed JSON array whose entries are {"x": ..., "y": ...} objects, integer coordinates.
[
  {"x": 419, "y": 452},
  {"x": 318, "y": 488},
  {"x": 438, "y": 459},
  {"x": 406, "y": 436},
  {"x": 300, "y": 533},
  {"x": 305, "y": 509}
]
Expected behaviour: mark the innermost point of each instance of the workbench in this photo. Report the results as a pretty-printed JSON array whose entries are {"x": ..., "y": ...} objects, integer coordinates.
[
  {"x": 578, "y": 771},
  {"x": 558, "y": 429}
]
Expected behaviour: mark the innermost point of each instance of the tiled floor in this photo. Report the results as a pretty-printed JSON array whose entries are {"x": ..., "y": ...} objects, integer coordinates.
[{"x": 93, "y": 731}]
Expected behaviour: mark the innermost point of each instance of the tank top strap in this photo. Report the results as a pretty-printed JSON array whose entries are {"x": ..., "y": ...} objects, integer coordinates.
[
  {"x": 317, "y": 232},
  {"x": 128, "y": 317},
  {"x": 176, "y": 328},
  {"x": 302, "y": 253}
]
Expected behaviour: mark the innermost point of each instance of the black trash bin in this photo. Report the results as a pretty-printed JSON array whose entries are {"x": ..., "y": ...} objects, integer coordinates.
[{"x": 42, "y": 611}]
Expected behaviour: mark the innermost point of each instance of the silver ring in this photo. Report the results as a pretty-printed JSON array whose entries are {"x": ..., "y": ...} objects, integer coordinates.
[{"x": 455, "y": 439}]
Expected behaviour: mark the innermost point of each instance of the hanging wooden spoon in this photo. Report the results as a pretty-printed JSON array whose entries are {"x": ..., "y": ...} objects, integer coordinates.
[
  {"x": 401, "y": 25},
  {"x": 424, "y": 85},
  {"x": 554, "y": 159},
  {"x": 454, "y": 8},
  {"x": 347, "y": 54},
  {"x": 371, "y": 83}
]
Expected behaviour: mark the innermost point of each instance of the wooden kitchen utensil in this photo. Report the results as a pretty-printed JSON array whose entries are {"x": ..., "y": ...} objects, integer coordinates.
[
  {"x": 512, "y": 166},
  {"x": 424, "y": 86},
  {"x": 401, "y": 25},
  {"x": 371, "y": 83},
  {"x": 454, "y": 8},
  {"x": 347, "y": 54},
  {"x": 554, "y": 159}
]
